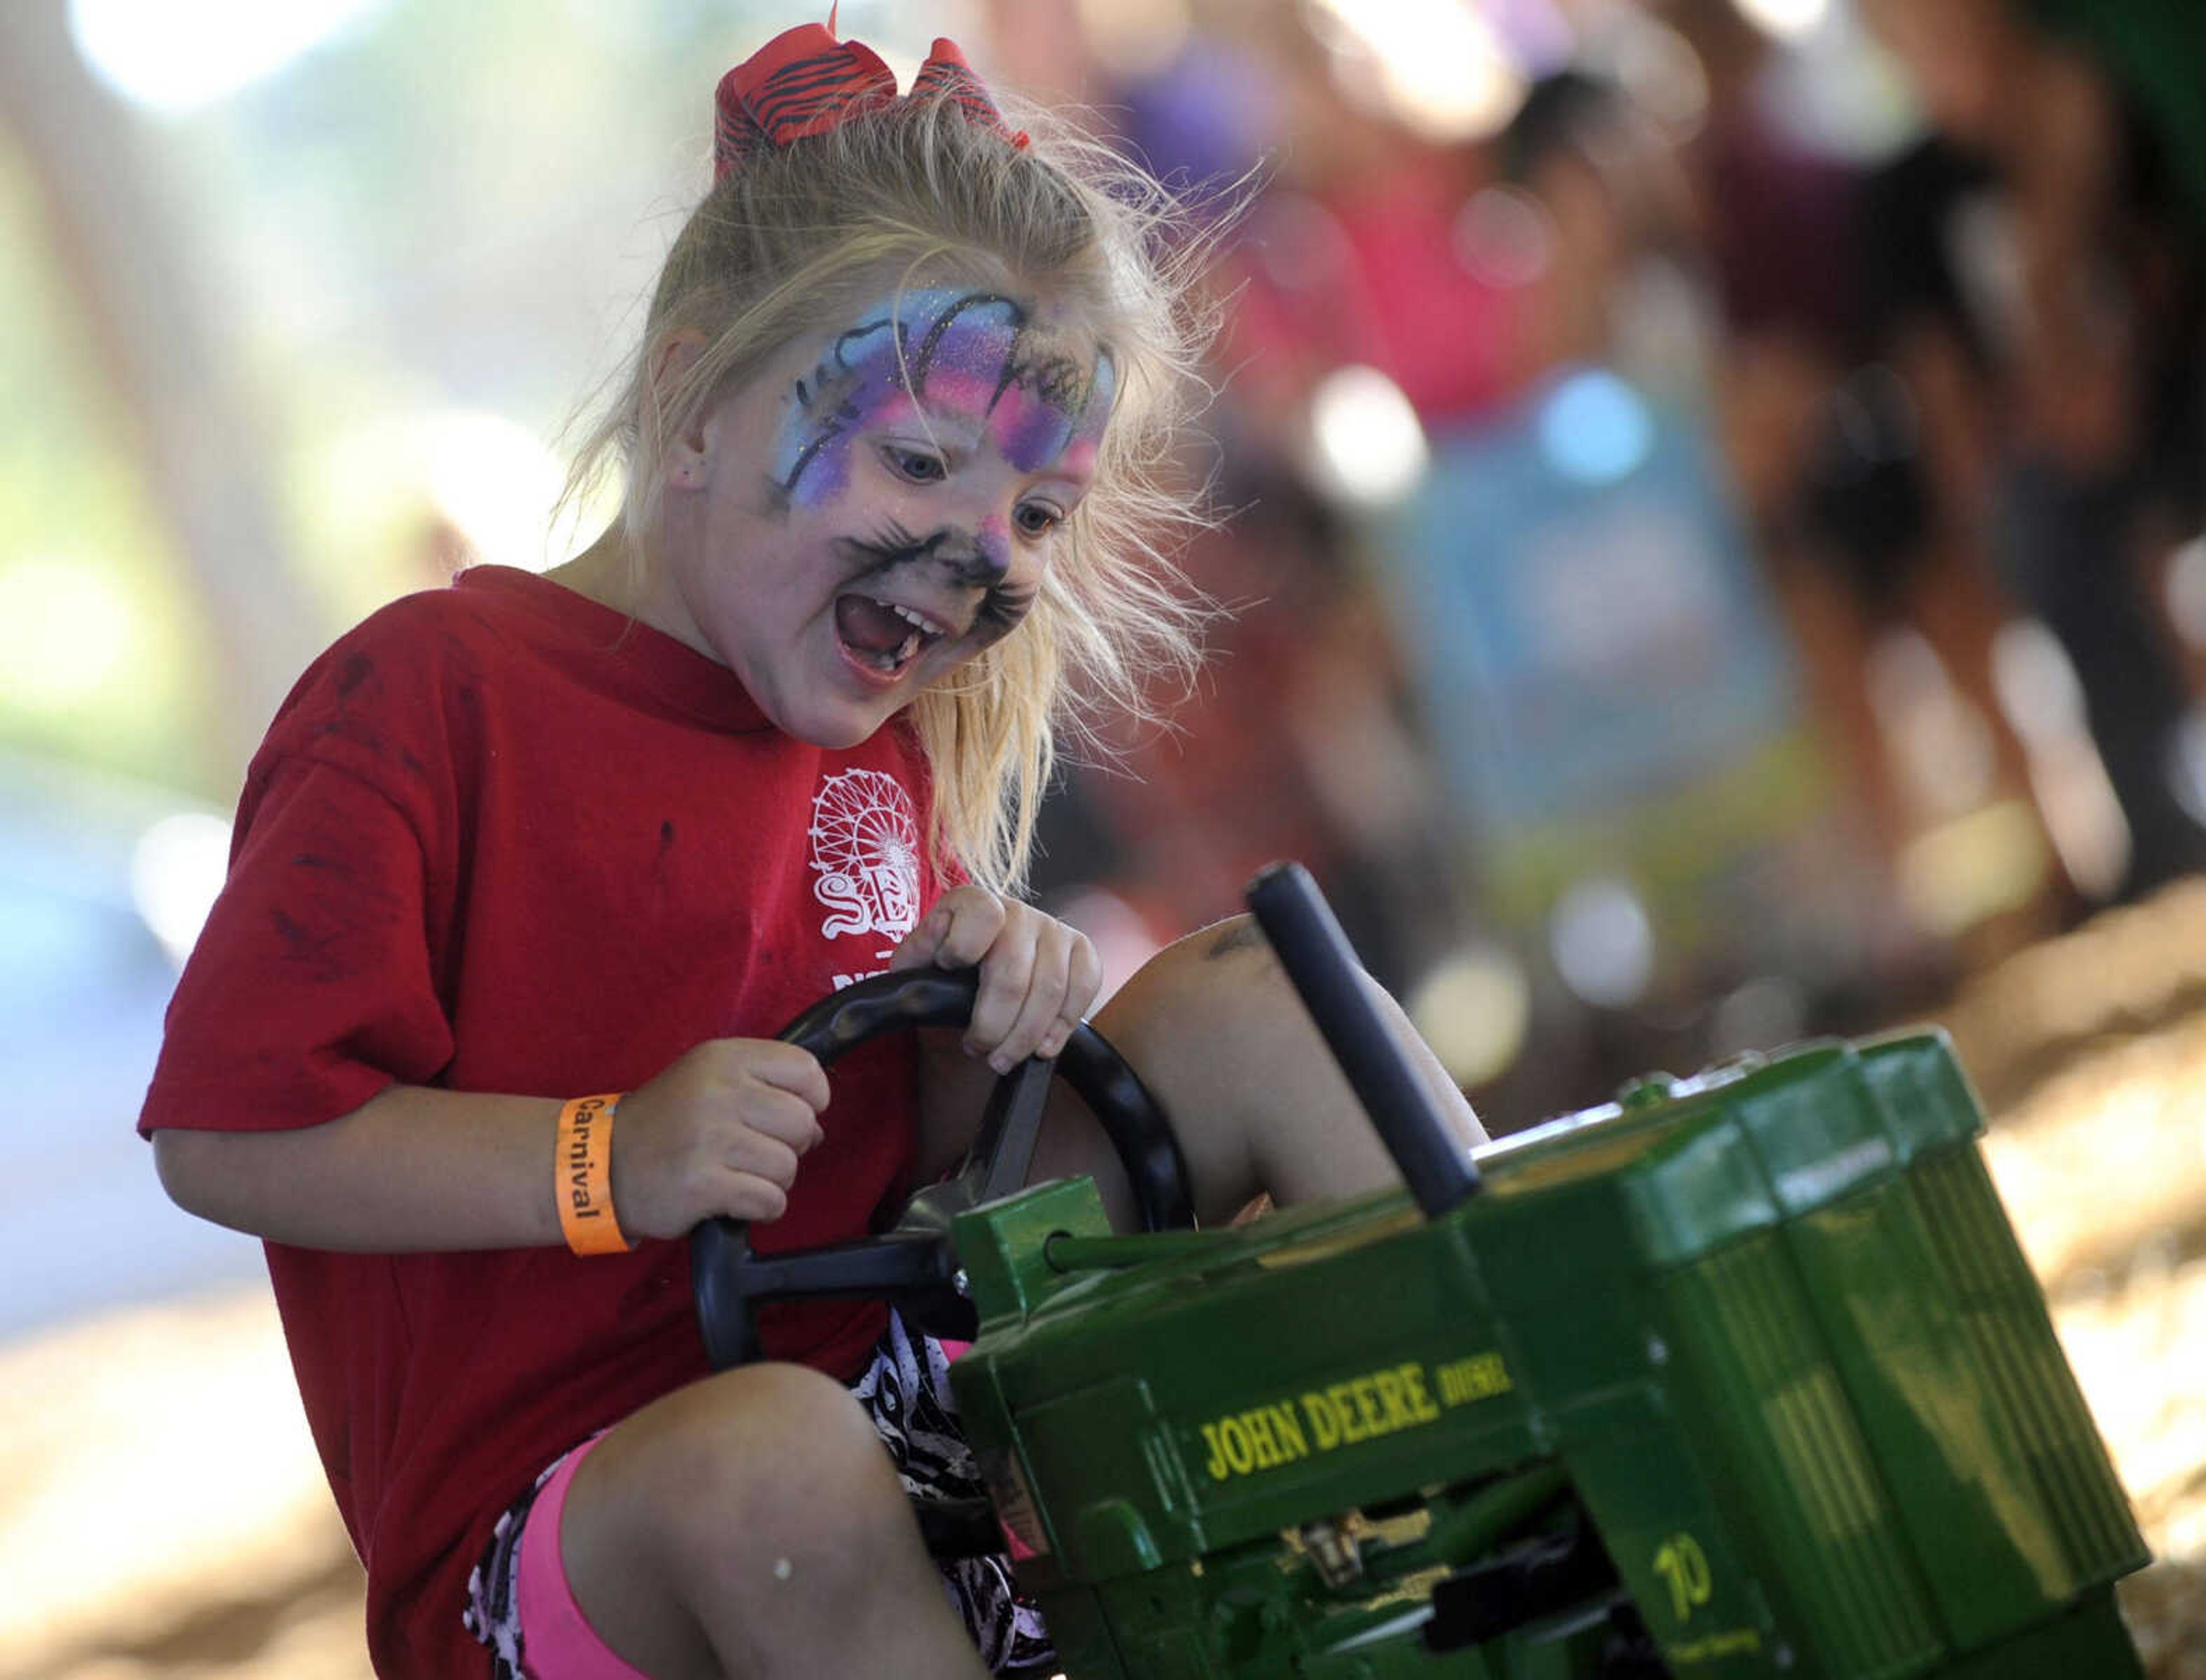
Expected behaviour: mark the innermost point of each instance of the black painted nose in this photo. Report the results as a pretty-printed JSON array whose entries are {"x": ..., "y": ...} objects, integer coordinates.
[{"x": 971, "y": 565}]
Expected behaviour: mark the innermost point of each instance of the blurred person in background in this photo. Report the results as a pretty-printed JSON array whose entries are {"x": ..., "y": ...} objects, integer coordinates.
[
  {"x": 1895, "y": 615},
  {"x": 2035, "y": 278},
  {"x": 1625, "y": 281},
  {"x": 1536, "y": 587},
  {"x": 1605, "y": 676},
  {"x": 1299, "y": 742}
]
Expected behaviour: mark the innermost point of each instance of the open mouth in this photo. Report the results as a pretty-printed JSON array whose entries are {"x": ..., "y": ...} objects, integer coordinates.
[{"x": 882, "y": 635}]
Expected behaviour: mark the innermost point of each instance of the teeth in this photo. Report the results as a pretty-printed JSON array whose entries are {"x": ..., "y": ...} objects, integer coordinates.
[
  {"x": 926, "y": 626},
  {"x": 898, "y": 657}
]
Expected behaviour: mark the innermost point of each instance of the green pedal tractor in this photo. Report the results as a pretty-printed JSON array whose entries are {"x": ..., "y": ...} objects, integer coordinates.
[{"x": 1743, "y": 1374}]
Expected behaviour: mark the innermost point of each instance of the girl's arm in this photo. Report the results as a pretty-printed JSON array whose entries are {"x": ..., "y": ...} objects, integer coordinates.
[
  {"x": 720, "y": 1131},
  {"x": 411, "y": 1169}
]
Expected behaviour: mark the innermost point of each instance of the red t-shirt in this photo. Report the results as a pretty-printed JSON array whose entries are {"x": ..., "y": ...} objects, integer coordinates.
[{"x": 500, "y": 838}]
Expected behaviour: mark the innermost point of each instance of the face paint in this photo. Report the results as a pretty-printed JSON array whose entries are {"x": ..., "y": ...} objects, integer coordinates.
[
  {"x": 993, "y": 539},
  {"x": 944, "y": 354},
  {"x": 972, "y": 564}
]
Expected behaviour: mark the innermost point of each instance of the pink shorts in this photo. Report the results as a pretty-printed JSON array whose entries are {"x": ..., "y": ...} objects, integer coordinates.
[{"x": 561, "y": 1643}]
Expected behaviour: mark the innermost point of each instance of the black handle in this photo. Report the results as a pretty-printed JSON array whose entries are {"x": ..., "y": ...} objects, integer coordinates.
[
  {"x": 1323, "y": 966},
  {"x": 726, "y": 1276},
  {"x": 730, "y": 1278},
  {"x": 1131, "y": 1118},
  {"x": 915, "y": 997}
]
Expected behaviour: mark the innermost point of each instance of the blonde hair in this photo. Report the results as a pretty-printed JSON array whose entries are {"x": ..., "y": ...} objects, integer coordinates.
[{"x": 797, "y": 239}]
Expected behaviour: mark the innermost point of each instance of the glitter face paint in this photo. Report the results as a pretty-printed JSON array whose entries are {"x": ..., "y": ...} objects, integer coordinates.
[
  {"x": 942, "y": 353},
  {"x": 881, "y": 503}
]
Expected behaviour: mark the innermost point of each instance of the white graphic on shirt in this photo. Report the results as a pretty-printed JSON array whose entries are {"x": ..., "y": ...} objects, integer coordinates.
[{"x": 865, "y": 859}]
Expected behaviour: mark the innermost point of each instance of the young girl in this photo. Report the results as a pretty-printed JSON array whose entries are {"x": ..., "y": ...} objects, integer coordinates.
[{"x": 518, "y": 844}]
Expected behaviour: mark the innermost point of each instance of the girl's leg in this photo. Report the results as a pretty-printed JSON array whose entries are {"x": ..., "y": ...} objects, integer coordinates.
[
  {"x": 1259, "y": 1106},
  {"x": 750, "y": 1525}
]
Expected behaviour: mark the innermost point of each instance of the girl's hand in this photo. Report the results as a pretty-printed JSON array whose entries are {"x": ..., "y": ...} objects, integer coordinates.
[
  {"x": 718, "y": 1132},
  {"x": 1038, "y": 976}
]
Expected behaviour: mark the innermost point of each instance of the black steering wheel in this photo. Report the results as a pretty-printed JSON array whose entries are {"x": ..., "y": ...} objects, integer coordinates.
[{"x": 912, "y": 1263}]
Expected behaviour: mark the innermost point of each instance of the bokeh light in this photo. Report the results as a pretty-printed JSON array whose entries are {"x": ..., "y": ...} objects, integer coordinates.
[
  {"x": 1974, "y": 866},
  {"x": 71, "y": 631},
  {"x": 1136, "y": 37},
  {"x": 1436, "y": 65},
  {"x": 1505, "y": 237},
  {"x": 176, "y": 870},
  {"x": 172, "y": 58},
  {"x": 1787, "y": 19},
  {"x": 2185, "y": 591},
  {"x": 1602, "y": 942},
  {"x": 1595, "y": 428},
  {"x": 495, "y": 482},
  {"x": 1368, "y": 446},
  {"x": 2043, "y": 701},
  {"x": 1475, "y": 1008}
]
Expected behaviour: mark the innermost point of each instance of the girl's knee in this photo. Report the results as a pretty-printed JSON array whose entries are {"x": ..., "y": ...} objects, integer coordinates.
[
  {"x": 775, "y": 1433},
  {"x": 742, "y": 1514},
  {"x": 1209, "y": 985},
  {"x": 1258, "y": 1100},
  {"x": 1202, "y": 1023},
  {"x": 777, "y": 1453}
]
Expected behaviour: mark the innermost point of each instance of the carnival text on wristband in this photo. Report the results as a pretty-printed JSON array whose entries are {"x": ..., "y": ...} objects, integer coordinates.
[{"x": 584, "y": 1176}]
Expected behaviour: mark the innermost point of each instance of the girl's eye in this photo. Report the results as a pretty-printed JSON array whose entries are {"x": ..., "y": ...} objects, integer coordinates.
[
  {"x": 916, "y": 465},
  {"x": 1037, "y": 519}
]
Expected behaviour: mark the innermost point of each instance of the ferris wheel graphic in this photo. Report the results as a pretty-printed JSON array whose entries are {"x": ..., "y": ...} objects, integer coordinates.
[{"x": 865, "y": 855}]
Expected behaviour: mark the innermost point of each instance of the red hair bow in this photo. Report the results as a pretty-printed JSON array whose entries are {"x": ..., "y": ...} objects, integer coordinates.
[{"x": 804, "y": 81}]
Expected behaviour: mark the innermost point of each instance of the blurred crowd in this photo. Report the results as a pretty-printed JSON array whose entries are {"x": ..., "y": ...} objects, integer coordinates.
[
  {"x": 1695, "y": 578},
  {"x": 1706, "y": 493}
]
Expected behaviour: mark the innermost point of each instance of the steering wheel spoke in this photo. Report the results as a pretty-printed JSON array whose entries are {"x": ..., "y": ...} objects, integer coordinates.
[{"x": 1003, "y": 1149}]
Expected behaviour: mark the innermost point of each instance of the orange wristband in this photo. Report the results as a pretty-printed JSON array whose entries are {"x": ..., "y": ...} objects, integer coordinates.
[{"x": 583, "y": 1179}]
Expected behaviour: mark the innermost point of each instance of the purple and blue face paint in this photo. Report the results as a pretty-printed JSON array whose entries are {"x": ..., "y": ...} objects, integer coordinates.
[{"x": 944, "y": 354}]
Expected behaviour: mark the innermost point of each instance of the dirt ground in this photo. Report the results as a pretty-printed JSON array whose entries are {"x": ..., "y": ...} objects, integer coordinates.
[{"x": 2089, "y": 1052}]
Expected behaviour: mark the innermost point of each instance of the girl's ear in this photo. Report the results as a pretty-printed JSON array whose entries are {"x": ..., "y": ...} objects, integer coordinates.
[{"x": 681, "y": 456}]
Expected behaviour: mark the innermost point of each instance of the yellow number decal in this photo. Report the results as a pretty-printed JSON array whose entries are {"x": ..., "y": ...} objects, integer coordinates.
[{"x": 1680, "y": 1562}]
